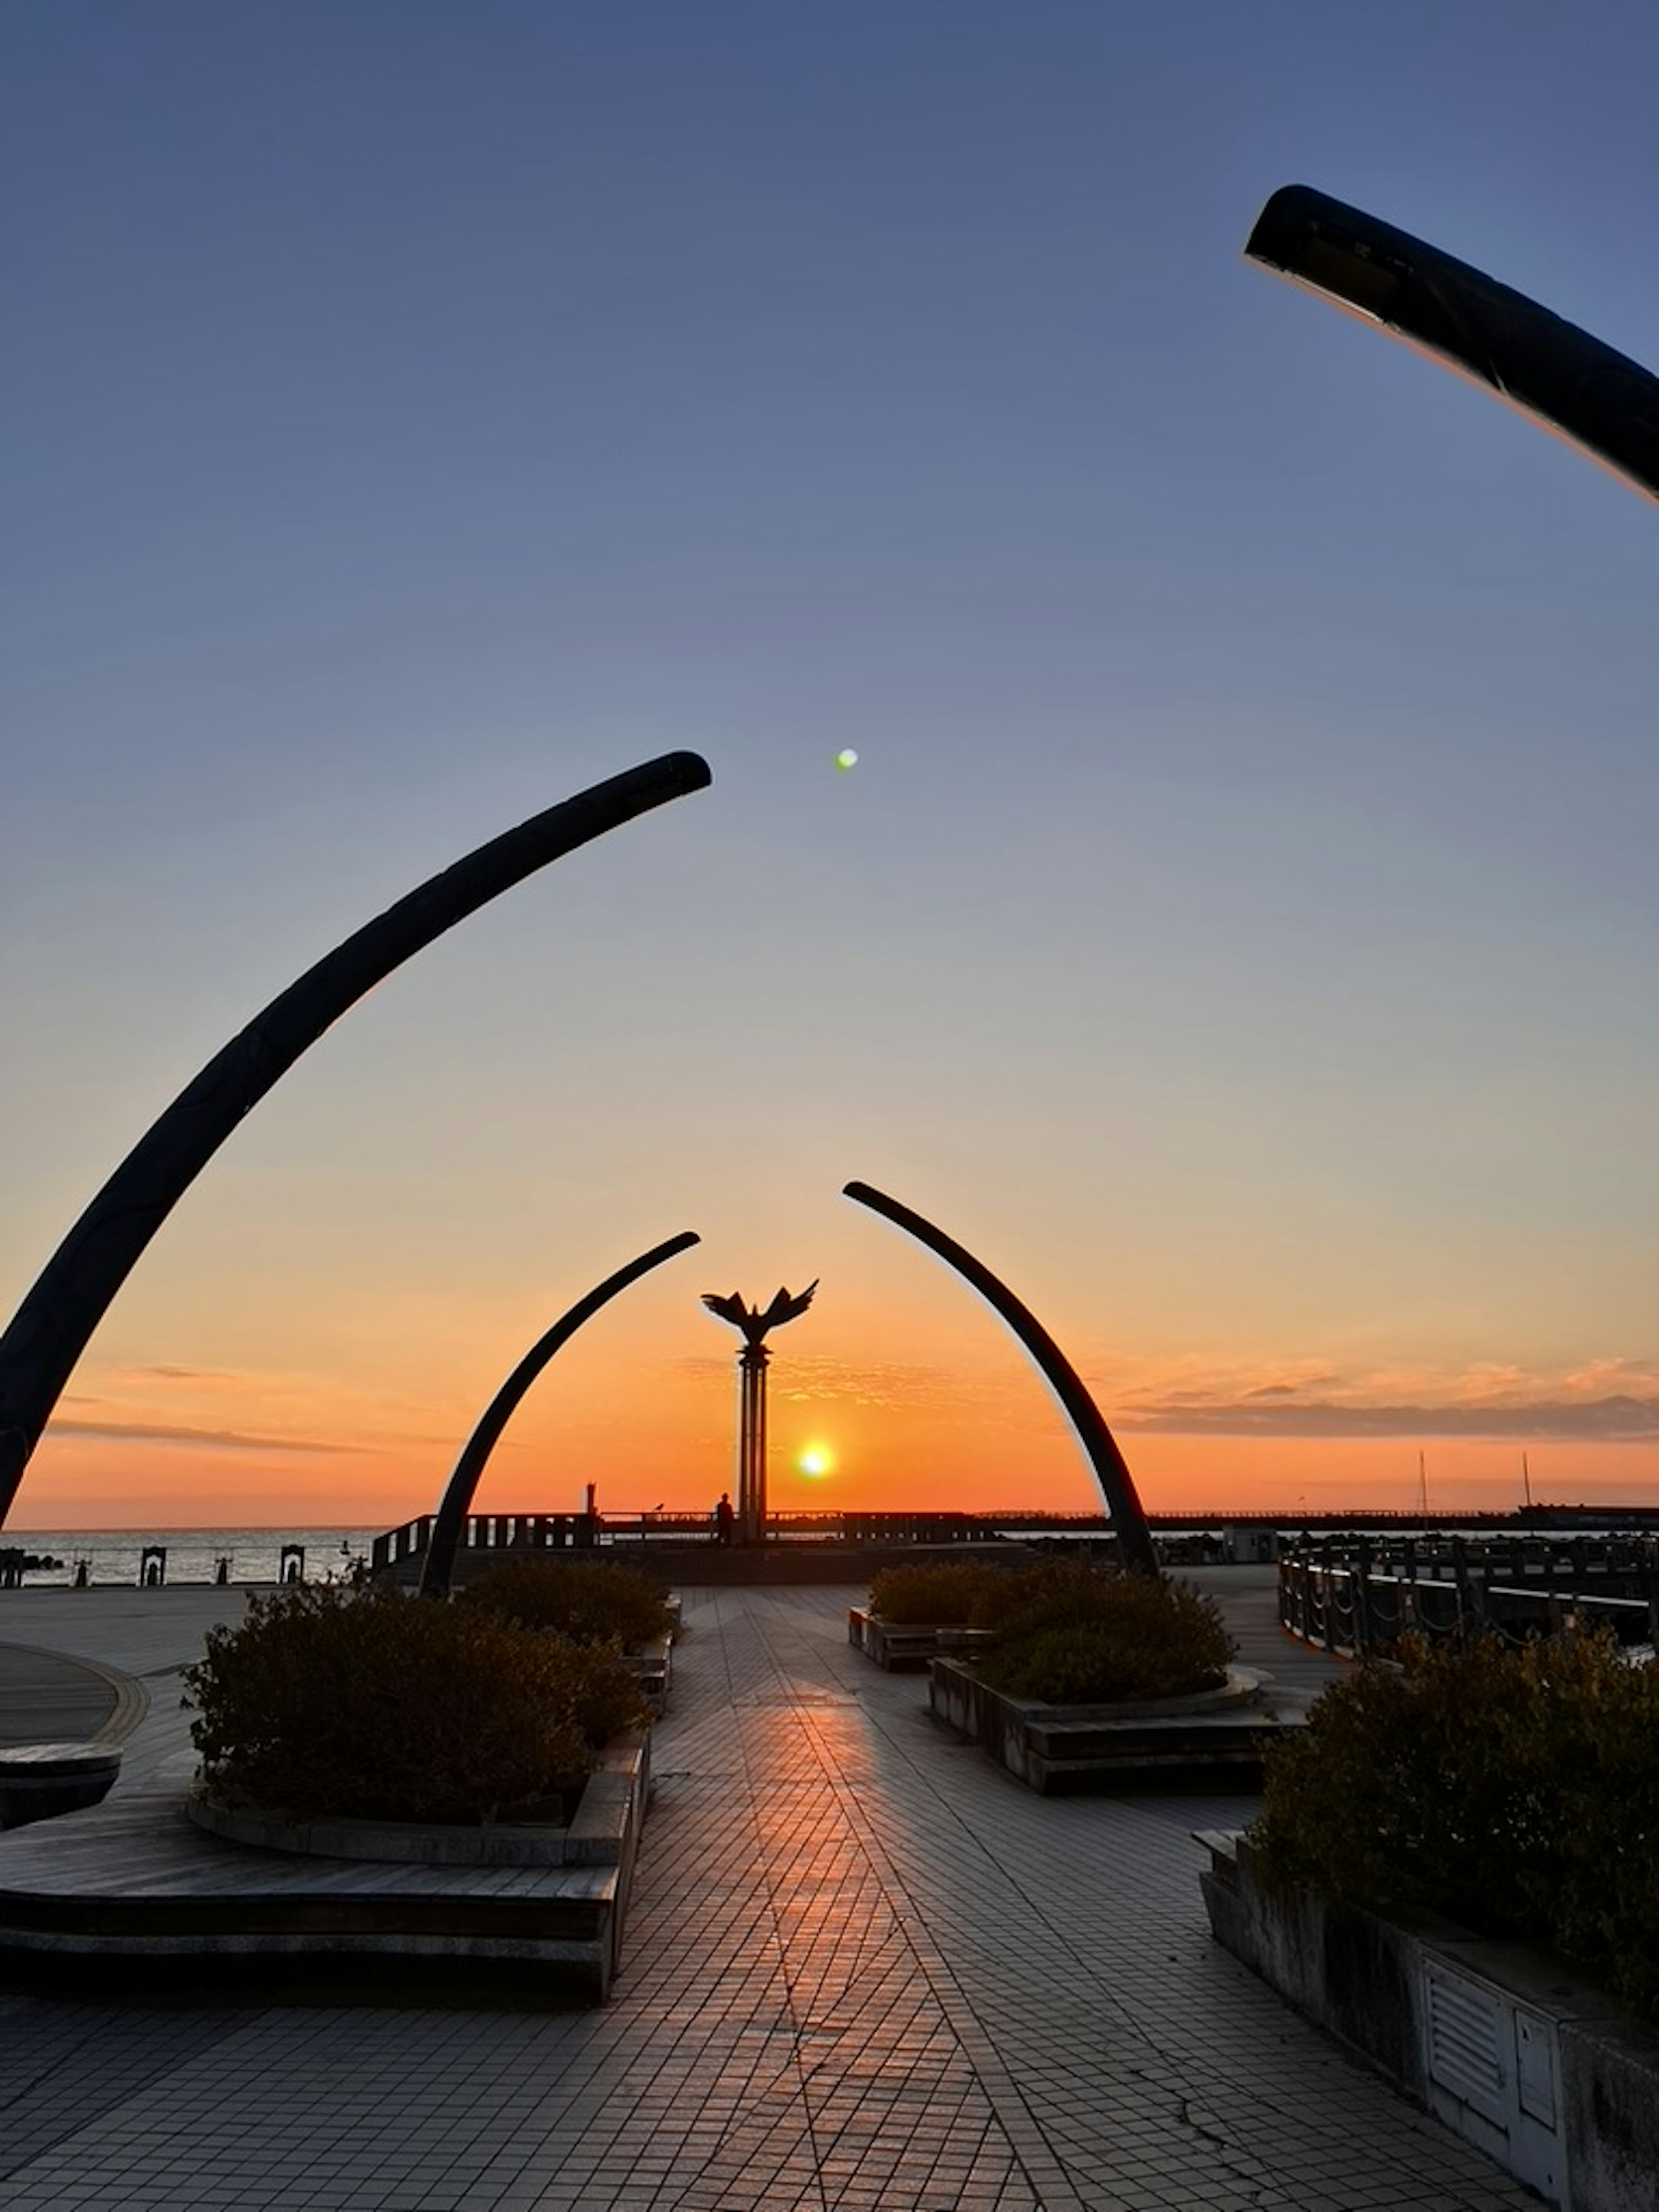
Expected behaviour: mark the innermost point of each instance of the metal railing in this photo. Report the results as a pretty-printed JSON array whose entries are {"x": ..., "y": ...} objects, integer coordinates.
[
  {"x": 565, "y": 1532},
  {"x": 1358, "y": 1597}
]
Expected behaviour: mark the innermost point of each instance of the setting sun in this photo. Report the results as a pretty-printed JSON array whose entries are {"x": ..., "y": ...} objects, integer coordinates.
[{"x": 816, "y": 1460}]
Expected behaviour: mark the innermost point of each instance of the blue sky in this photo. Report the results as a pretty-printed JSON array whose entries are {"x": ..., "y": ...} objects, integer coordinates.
[{"x": 1240, "y": 926}]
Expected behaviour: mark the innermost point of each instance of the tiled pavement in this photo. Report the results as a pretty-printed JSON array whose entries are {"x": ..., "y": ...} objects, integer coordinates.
[{"x": 863, "y": 1970}]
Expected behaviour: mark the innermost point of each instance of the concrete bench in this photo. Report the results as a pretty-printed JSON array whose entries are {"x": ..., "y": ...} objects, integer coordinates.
[
  {"x": 40, "y": 1779},
  {"x": 910, "y": 1646}
]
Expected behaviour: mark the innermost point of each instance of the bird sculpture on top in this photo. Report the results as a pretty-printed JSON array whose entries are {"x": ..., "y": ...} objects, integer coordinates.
[{"x": 751, "y": 1319}]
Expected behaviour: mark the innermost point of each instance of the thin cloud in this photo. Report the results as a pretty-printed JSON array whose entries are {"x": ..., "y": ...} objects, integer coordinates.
[
  {"x": 1601, "y": 1378},
  {"x": 170, "y": 1433},
  {"x": 1155, "y": 1383},
  {"x": 1618, "y": 1419},
  {"x": 814, "y": 1380},
  {"x": 1176, "y": 1397},
  {"x": 162, "y": 1372}
]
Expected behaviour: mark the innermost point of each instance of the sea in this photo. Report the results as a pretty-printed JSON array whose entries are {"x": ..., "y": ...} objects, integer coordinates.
[{"x": 115, "y": 1556}]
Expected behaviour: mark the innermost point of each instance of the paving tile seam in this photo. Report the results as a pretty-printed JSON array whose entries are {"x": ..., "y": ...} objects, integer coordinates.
[
  {"x": 792, "y": 1708},
  {"x": 1054, "y": 2189},
  {"x": 1212, "y": 2146},
  {"x": 799, "y": 2015},
  {"x": 1101, "y": 1994},
  {"x": 975, "y": 1841}
]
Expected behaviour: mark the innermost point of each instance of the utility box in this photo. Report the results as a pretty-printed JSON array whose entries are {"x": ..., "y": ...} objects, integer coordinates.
[
  {"x": 1251, "y": 1547},
  {"x": 1493, "y": 2074}
]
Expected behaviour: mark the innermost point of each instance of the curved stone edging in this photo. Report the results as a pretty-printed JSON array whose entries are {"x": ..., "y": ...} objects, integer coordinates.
[
  {"x": 1242, "y": 1686},
  {"x": 1055, "y": 1748},
  {"x": 131, "y": 1697},
  {"x": 594, "y": 1835},
  {"x": 393, "y": 1843}
]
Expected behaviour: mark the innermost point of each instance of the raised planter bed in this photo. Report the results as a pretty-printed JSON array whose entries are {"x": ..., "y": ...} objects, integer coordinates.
[
  {"x": 1508, "y": 2044},
  {"x": 1058, "y": 1749}
]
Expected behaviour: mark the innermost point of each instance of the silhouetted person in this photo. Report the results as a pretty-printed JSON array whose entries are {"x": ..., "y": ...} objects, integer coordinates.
[{"x": 724, "y": 1519}]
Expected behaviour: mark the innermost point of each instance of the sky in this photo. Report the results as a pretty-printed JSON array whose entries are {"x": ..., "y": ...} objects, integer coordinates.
[{"x": 1239, "y": 927}]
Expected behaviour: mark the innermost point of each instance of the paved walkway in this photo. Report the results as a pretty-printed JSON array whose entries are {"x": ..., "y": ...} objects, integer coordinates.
[{"x": 863, "y": 1969}]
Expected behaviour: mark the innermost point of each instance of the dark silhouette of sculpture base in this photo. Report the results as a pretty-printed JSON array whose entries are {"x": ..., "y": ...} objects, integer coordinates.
[
  {"x": 438, "y": 1571},
  {"x": 1111, "y": 1469},
  {"x": 751, "y": 1397},
  {"x": 50, "y": 1329}
]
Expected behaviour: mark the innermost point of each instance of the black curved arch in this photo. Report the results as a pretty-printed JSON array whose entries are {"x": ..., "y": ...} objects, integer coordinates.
[
  {"x": 1542, "y": 364},
  {"x": 50, "y": 1329},
  {"x": 1134, "y": 1538},
  {"x": 440, "y": 1568}
]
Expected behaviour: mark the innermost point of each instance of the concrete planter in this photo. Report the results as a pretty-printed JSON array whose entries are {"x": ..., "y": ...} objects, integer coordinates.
[
  {"x": 1064, "y": 1748},
  {"x": 1508, "y": 2045},
  {"x": 601, "y": 1830}
]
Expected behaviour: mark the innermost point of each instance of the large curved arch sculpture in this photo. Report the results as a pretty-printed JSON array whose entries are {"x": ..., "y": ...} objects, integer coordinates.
[
  {"x": 1542, "y": 364},
  {"x": 1111, "y": 1470},
  {"x": 439, "y": 1570},
  {"x": 50, "y": 1328}
]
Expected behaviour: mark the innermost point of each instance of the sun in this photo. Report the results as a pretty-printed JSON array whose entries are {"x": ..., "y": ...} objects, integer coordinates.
[{"x": 815, "y": 1460}]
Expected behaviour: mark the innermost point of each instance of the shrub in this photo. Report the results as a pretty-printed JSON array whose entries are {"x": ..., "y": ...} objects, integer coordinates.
[
  {"x": 1516, "y": 1791},
  {"x": 1074, "y": 1634},
  {"x": 354, "y": 1699},
  {"x": 589, "y": 1602},
  {"x": 948, "y": 1596}
]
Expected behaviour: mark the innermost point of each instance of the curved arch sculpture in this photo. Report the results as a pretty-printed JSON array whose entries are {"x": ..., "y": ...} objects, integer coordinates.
[
  {"x": 1111, "y": 1470},
  {"x": 50, "y": 1328},
  {"x": 439, "y": 1570},
  {"x": 1541, "y": 363}
]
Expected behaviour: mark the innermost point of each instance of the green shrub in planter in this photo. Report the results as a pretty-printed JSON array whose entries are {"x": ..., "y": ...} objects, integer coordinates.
[
  {"x": 589, "y": 1602},
  {"x": 942, "y": 1597},
  {"x": 1069, "y": 1633},
  {"x": 335, "y": 1699},
  {"x": 1514, "y": 1791}
]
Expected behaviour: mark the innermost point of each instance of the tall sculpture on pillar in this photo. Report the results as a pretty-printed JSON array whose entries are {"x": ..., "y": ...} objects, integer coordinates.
[{"x": 751, "y": 1401}]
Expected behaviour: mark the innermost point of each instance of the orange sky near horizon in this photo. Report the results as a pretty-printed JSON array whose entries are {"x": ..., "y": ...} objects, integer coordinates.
[
  {"x": 337, "y": 1382},
  {"x": 170, "y": 1449}
]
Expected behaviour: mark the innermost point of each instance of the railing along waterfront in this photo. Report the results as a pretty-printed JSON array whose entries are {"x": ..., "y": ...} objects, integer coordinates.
[
  {"x": 1357, "y": 1596},
  {"x": 519, "y": 1533}
]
